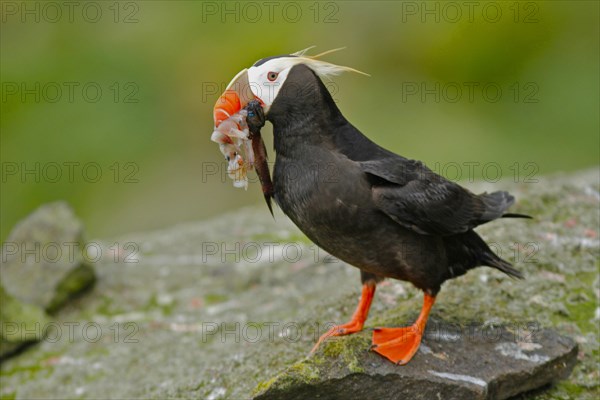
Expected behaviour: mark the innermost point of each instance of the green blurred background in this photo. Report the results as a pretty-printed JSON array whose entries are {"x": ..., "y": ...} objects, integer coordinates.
[{"x": 158, "y": 64}]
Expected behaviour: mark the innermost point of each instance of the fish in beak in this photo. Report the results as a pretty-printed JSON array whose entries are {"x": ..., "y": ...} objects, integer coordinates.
[
  {"x": 231, "y": 130},
  {"x": 241, "y": 144}
]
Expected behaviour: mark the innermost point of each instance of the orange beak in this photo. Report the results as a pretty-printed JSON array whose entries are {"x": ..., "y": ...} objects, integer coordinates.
[
  {"x": 235, "y": 97},
  {"x": 228, "y": 104}
]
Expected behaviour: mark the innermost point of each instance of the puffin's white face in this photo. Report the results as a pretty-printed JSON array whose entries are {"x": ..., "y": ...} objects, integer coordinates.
[{"x": 264, "y": 80}]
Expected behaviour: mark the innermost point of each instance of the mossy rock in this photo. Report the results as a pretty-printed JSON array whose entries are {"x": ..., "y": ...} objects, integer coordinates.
[
  {"x": 182, "y": 310},
  {"x": 42, "y": 259},
  {"x": 480, "y": 364},
  {"x": 20, "y": 324}
]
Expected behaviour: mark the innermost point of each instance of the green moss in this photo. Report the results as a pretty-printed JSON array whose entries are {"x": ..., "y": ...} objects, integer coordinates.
[
  {"x": 301, "y": 373},
  {"x": 304, "y": 371},
  {"x": 35, "y": 368},
  {"x": 109, "y": 308},
  {"x": 98, "y": 351},
  {"x": 29, "y": 370},
  {"x": 213, "y": 298},
  {"x": 565, "y": 390},
  {"x": 580, "y": 303},
  {"x": 333, "y": 348},
  {"x": 346, "y": 349},
  {"x": 20, "y": 322},
  {"x": 571, "y": 388},
  {"x": 263, "y": 386},
  {"x": 154, "y": 304},
  {"x": 77, "y": 281}
]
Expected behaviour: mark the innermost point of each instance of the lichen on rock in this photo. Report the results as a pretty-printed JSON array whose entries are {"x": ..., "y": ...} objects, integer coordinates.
[
  {"x": 42, "y": 259},
  {"x": 20, "y": 323},
  {"x": 191, "y": 306}
]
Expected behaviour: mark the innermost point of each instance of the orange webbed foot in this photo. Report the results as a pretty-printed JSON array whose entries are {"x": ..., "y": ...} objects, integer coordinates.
[{"x": 398, "y": 345}]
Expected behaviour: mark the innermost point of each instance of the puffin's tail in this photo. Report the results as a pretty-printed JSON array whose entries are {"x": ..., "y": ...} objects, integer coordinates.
[
  {"x": 492, "y": 260},
  {"x": 496, "y": 204},
  {"x": 468, "y": 250}
]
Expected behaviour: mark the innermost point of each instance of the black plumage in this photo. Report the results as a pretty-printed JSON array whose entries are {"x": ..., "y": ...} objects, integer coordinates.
[{"x": 385, "y": 214}]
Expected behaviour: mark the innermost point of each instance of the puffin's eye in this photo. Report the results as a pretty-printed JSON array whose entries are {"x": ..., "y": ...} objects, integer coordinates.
[{"x": 272, "y": 76}]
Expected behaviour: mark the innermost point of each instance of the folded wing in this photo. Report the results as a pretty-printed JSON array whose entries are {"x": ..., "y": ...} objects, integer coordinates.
[{"x": 419, "y": 199}]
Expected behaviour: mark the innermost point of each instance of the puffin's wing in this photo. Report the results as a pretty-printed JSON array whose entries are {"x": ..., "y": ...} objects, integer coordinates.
[{"x": 419, "y": 199}]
